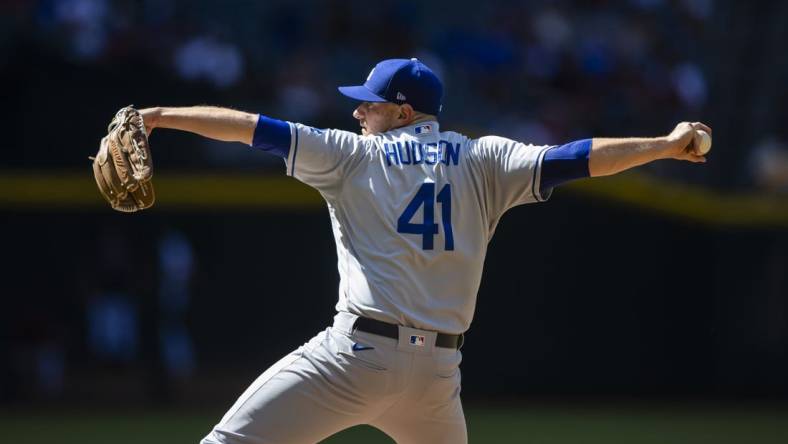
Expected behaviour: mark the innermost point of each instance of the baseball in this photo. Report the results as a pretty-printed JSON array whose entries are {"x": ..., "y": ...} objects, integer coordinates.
[{"x": 701, "y": 142}]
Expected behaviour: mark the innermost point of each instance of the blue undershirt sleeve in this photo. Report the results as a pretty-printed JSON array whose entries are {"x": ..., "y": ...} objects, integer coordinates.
[
  {"x": 272, "y": 136},
  {"x": 564, "y": 163}
]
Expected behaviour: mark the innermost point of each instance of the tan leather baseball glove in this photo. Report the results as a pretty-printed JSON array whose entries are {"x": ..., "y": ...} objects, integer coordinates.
[{"x": 123, "y": 166}]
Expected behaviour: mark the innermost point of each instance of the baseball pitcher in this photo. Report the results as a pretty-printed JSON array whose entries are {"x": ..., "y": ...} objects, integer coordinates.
[{"x": 413, "y": 207}]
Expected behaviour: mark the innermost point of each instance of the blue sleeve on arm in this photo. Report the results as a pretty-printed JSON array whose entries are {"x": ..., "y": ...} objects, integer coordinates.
[
  {"x": 272, "y": 136},
  {"x": 564, "y": 163}
]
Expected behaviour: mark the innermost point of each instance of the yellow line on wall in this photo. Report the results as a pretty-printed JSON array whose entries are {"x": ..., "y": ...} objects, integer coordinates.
[
  {"x": 686, "y": 201},
  {"x": 70, "y": 190},
  {"x": 65, "y": 190}
]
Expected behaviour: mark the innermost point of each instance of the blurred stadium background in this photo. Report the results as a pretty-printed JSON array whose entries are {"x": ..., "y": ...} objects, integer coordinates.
[{"x": 672, "y": 326}]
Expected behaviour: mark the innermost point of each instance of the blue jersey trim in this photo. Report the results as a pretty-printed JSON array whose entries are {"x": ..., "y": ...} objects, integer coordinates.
[
  {"x": 564, "y": 163},
  {"x": 272, "y": 136}
]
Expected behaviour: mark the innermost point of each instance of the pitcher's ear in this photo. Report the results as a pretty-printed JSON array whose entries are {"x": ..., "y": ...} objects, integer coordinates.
[{"x": 406, "y": 112}]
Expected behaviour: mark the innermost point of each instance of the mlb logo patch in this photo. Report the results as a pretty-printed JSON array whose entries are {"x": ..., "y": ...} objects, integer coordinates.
[
  {"x": 417, "y": 340},
  {"x": 423, "y": 129}
]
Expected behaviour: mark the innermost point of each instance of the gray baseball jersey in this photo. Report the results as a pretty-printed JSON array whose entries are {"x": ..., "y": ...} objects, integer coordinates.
[{"x": 412, "y": 211}]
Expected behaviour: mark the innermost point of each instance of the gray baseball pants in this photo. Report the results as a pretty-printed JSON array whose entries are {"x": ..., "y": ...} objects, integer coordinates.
[{"x": 407, "y": 388}]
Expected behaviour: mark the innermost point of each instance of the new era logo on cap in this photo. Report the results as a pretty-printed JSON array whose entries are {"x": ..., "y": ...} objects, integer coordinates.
[
  {"x": 417, "y": 340},
  {"x": 400, "y": 81}
]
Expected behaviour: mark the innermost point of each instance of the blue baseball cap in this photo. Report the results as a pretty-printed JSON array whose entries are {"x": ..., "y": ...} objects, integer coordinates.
[{"x": 400, "y": 81}]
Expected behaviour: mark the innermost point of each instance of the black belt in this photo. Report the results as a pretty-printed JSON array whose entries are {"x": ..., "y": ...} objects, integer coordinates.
[{"x": 392, "y": 331}]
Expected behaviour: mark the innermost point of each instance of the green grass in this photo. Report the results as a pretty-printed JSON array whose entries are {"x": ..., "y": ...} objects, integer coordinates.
[{"x": 675, "y": 424}]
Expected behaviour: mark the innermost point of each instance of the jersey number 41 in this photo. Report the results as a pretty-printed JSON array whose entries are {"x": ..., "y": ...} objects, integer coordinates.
[{"x": 428, "y": 228}]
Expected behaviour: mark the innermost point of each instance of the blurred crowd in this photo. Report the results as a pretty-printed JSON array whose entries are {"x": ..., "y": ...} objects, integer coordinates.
[
  {"x": 544, "y": 72},
  {"x": 121, "y": 314}
]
